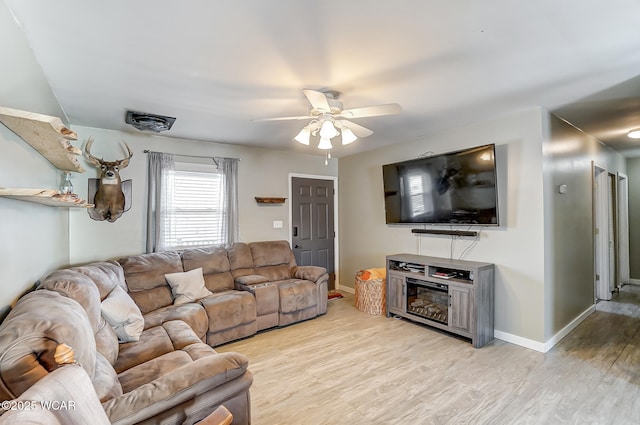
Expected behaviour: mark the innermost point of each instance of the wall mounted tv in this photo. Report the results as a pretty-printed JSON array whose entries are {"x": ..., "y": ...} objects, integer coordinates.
[{"x": 455, "y": 188}]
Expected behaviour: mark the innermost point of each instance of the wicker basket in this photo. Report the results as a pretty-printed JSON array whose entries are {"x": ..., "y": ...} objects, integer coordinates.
[{"x": 370, "y": 295}]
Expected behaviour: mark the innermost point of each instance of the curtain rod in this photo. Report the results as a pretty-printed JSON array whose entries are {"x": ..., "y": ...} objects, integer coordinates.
[{"x": 188, "y": 156}]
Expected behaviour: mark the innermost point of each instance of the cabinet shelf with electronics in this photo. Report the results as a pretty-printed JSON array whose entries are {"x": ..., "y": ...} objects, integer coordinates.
[
  {"x": 51, "y": 139},
  {"x": 452, "y": 295}
]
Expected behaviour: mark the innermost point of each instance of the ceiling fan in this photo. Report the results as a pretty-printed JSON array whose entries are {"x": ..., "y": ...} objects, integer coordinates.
[{"x": 329, "y": 118}]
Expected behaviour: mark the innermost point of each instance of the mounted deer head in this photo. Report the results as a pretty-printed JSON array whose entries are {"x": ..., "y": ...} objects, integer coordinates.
[{"x": 109, "y": 200}]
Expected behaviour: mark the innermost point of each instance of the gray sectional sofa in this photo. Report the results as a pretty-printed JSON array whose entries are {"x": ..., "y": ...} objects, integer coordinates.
[{"x": 144, "y": 327}]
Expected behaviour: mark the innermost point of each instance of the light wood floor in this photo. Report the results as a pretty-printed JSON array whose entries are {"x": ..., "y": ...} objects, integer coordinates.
[{"x": 348, "y": 367}]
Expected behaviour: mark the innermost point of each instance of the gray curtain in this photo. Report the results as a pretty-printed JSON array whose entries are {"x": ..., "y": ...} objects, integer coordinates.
[
  {"x": 229, "y": 167},
  {"x": 159, "y": 166}
]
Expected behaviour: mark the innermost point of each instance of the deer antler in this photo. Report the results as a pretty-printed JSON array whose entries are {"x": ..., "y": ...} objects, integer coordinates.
[
  {"x": 87, "y": 149},
  {"x": 125, "y": 161},
  {"x": 122, "y": 163}
]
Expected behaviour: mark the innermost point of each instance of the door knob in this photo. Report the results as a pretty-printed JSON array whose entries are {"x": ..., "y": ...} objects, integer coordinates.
[{"x": 296, "y": 246}]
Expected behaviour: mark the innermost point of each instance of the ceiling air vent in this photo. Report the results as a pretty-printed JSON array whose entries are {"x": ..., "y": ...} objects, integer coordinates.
[{"x": 149, "y": 122}]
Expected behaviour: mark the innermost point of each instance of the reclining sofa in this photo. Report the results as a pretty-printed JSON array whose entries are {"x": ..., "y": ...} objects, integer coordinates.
[{"x": 145, "y": 336}]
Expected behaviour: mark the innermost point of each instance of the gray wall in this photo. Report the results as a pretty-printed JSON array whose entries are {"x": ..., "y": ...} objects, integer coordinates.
[
  {"x": 516, "y": 247},
  {"x": 569, "y": 256},
  {"x": 633, "y": 172},
  {"x": 33, "y": 238},
  {"x": 261, "y": 172}
]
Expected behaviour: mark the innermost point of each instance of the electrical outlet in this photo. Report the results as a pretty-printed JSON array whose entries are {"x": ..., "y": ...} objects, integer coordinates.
[{"x": 277, "y": 224}]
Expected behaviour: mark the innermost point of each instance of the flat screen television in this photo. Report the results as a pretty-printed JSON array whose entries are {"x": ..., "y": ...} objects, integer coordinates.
[{"x": 454, "y": 188}]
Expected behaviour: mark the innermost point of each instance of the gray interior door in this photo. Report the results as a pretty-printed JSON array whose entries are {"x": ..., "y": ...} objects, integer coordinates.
[{"x": 312, "y": 221}]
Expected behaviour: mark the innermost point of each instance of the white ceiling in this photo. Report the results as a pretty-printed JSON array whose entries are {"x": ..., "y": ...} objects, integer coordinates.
[{"x": 218, "y": 65}]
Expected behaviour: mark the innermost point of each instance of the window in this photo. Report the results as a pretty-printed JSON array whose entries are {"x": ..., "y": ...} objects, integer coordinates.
[{"x": 195, "y": 213}]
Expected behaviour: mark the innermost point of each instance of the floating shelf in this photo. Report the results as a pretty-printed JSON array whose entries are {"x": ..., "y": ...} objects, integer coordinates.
[
  {"x": 267, "y": 200},
  {"x": 47, "y": 135},
  {"x": 48, "y": 197}
]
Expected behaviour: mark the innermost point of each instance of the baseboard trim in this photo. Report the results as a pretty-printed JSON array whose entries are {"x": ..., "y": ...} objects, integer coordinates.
[
  {"x": 571, "y": 326},
  {"x": 543, "y": 347},
  {"x": 346, "y": 289},
  {"x": 634, "y": 281},
  {"x": 518, "y": 340}
]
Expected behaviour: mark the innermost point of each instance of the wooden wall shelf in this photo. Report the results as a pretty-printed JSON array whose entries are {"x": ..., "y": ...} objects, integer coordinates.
[
  {"x": 48, "y": 197},
  {"x": 50, "y": 138},
  {"x": 270, "y": 200},
  {"x": 47, "y": 135}
]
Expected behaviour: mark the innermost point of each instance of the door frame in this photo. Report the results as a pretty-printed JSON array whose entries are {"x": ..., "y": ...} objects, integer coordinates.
[
  {"x": 600, "y": 186},
  {"x": 336, "y": 252},
  {"x": 623, "y": 228}
]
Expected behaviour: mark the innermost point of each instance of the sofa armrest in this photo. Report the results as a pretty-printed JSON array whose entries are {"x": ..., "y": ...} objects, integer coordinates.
[
  {"x": 64, "y": 396},
  {"x": 312, "y": 273},
  {"x": 251, "y": 279},
  {"x": 176, "y": 387}
]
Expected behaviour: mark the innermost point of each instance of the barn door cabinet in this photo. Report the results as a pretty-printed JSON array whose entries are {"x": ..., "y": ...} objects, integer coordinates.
[
  {"x": 51, "y": 139},
  {"x": 453, "y": 295}
]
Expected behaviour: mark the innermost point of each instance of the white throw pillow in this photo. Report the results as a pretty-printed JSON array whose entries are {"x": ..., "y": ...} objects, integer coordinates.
[
  {"x": 124, "y": 316},
  {"x": 188, "y": 286}
]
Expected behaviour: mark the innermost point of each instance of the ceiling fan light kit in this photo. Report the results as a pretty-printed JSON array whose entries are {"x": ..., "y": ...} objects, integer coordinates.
[
  {"x": 348, "y": 136},
  {"x": 328, "y": 130},
  {"x": 328, "y": 119},
  {"x": 304, "y": 136},
  {"x": 634, "y": 134},
  {"x": 325, "y": 143}
]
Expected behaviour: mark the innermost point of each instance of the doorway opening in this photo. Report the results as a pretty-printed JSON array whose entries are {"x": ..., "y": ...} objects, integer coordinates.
[{"x": 610, "y": 232}]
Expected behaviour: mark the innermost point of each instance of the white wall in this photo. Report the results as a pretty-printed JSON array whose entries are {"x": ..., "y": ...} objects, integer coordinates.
[
  {"x": 261, "y": 172},
  {"x": 516, "y": 247},
  {"x": 33, "y": 238}
]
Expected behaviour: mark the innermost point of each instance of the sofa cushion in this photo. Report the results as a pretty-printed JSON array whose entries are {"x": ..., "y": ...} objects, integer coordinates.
[
  {"x": 215, "y": 266},
  {"x": 271, "y": 253},
  {"x": 123, "y": 315},
  {"x": 30, "y": 334},
  {"x": 240, "y": 259},
  {"x": 144, "y": 275},
  {"x": 188, "y": 286},
  {"x": 106, "y": 275},
  {"x": 78, "y": 287},
  {"x": 105, "y": 380},
  {"x": 155, "y": 342},
  {"x": 107, "y": 342},
  {"x": 274, "y": 273},
  {"x": 211, "y": 380},
  {"x": 297, "y": 295},
  {"x": 79, "y": 284},
  {"x": 229, "y": 309},
  {"x": 272, "y": 259},
  {"x": 153, "y": 369},
  {"x": 193, "y": 314}
]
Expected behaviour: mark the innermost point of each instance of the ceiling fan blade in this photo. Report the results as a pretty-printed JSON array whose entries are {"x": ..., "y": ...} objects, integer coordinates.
[
  {"x": 371, "y": 111},
  {"x": 357, "y": 129},
  {"x": 301, "y": 117},
  {"x": 318, "y": 100}
]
